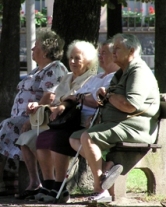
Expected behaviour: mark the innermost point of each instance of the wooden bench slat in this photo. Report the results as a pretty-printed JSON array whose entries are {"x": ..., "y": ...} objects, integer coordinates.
[{"x": 137, "y": 145}]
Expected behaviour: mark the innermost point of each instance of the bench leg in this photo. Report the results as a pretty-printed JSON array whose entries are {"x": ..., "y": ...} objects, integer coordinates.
[
  {"x": 151, "y": 183},
  {"x": 119, "y": 188}
]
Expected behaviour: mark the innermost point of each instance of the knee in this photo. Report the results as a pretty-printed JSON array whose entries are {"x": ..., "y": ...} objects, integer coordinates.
[
  {"x": 84, "y": 138},
  {"x": 74, "y": 143},
  {"x": 71, "y": 141}
]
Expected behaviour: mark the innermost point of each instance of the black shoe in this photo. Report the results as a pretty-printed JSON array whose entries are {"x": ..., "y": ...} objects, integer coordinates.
[
  {"x": 37, "y": 196},
  {"x": 27, "y": 193}
]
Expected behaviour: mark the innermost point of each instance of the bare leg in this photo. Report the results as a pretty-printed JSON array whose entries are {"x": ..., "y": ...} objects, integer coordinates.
[
  {"x": 31, "y": 164},
  {"x": 94, "y": 158},
  {"x": 46, "y": 164},
  {"x": 75, "y": 144},
  {"x": 61, "y": 163},
  {"x": 107, "y": 165}
]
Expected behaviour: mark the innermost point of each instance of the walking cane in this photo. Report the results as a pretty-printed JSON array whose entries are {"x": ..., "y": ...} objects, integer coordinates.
[{"x": 73, "y": 162}]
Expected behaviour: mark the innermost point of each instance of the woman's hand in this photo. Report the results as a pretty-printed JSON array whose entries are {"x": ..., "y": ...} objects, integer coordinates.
[
  {"x": 26, "y": 127},
  {"x": 32, "y": 107},
  {"x": 58, "y": 110},
  {"x": 101, "y": 93}
]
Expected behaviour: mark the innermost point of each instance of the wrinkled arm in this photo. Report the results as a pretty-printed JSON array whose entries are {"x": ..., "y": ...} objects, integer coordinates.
[
  {"x": 89, "y": 101},
  {"x": 58, "y": 110},
  {"x": 47, "y": 98},
  {"x": 121, "y": 103}
]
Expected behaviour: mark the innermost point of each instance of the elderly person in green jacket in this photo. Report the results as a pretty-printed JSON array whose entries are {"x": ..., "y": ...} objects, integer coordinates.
[{"x": 129, "y": 113}]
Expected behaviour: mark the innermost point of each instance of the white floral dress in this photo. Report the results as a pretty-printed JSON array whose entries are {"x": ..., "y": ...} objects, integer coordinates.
[{"x": 29, "y": 89}]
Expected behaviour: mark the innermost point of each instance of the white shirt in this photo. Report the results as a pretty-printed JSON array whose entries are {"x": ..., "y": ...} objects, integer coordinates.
[{"x": 91, "y": 86}]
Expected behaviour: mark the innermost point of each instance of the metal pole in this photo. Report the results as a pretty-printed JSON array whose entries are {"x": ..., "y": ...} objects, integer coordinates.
[
  {"x": 41, "y": 5},
  {"x": 30, "y": 33}
]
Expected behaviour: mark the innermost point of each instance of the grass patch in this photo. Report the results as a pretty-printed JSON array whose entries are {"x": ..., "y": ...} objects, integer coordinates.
[
  {"x": 137, "y": 184},
  {"x": 136, "y": 181}
]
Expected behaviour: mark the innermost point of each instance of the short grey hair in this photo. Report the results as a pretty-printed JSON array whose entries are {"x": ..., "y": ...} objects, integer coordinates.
[
  {"x": 88, "y": 50},
  {"x": 130, "y": 41},
  {"x": 108, "y": 42},
  {"x": 51, "y": 43}
]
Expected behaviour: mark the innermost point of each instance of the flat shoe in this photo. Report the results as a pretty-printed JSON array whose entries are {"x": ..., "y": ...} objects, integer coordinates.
[
  {"x": 110, "y": 176},
  {"x": 104, "y": 196},
  {"x": 42, "y": 192},
  {"x": 26, "y": 193},
  {"x": 51, "y": 197}
]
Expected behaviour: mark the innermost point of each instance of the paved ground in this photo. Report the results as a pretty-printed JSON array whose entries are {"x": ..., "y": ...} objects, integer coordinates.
[
  {"x": 130, "y": 200},
  {"x": 10, "y": 201}
]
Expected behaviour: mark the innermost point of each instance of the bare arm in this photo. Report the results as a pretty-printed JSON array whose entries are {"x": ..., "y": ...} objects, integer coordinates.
[
  {"x": 88, "y": 99},
  {"x": 47, "y": 98},
  {"x": 121, "y": 103},
  {"x": 58, "y": 110},
  {"x": 32, "y": 107}
]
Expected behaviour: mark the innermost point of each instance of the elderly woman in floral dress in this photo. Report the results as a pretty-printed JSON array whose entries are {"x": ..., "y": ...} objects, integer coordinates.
[{"x": 38, "y": 86}]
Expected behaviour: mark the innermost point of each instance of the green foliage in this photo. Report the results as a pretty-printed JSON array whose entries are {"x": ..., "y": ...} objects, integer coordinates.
[
  {"x": 22, "y": 18},
  {"x": 150, "y": 20},
  {"x": 40, "y": 18},
  {"x": 1, "y": 9},
  {"x": 131, "y": 18},
  {"x": 111, "y": 5},
  {"x": 123, "y": 2},
  {"x": 137, "y": 19}
]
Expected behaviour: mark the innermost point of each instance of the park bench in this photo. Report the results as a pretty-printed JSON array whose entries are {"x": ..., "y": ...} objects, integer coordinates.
[{"x": 150, "y": 158}]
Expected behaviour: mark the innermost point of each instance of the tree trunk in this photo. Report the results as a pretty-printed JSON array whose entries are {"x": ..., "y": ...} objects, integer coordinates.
[
  {"x": 114, "y": 19},
  {"x": 76, "y": 19},
  {"x": 160, "y": 42},
  {"x": 9, "y": 54}
]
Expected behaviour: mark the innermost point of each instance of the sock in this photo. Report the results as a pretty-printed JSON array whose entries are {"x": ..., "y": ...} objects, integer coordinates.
[
  {"x": 57, "y": 186},
  {"x": 49, "y": 184}
]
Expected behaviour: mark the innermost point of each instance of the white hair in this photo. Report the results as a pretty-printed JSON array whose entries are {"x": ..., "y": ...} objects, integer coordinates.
[
  {"x": 88, "y": 50},
  {"x": 130, "y": 41}
]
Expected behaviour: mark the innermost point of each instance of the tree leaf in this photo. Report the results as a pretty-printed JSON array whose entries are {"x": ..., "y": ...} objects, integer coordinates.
[{"x": 110, "y": 5}]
